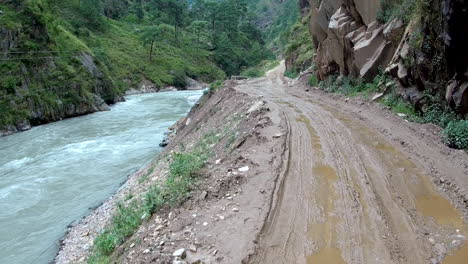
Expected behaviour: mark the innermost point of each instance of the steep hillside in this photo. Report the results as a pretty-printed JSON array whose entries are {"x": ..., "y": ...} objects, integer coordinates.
[
  {"x": 275, "y": 18},
  {"x": 67, "y": 58}
]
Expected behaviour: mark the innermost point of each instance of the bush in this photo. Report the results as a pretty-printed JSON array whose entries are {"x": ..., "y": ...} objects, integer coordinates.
[
  {"x": 291, "y": 74},
  {"x": 313, "y": 80},
  {"x": 402, "y": 9},
  {"x": 456, "y": 134}
]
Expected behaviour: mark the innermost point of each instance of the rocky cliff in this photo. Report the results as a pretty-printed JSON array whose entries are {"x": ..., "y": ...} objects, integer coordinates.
[{"x": 419, "y": 43}]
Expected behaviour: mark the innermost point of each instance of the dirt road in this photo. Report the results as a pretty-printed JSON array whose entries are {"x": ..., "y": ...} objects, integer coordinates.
[{"x": 361, "y": 185}]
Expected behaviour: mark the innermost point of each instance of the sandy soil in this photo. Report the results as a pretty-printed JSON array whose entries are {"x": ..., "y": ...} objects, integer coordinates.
[{"x": 329, "y": 180}]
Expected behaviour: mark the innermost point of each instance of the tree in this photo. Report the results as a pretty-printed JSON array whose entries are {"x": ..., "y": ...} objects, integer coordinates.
[
  {"x": 140, "y": 13},
  {"x": 152, "y": 34},
  {"x": 92, "y": 10},
  {"x": 198, "y": 28}
]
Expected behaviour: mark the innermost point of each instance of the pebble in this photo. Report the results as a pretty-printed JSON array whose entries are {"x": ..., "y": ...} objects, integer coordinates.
[
  {"x": 180, "y": 253},
  {"x": 205, "y": 223},
  {"x": 146, "y": 251},
  {"x": 244, "y": 169},
  {"x": 214, "y": 252},
  {"x": 235, "y": 209},
  {"x": 440, "y": 249},
  {"x": 132, "y": 245},
  {"x": 193, "y": 248},
  {"x": 159, "y": 227}
]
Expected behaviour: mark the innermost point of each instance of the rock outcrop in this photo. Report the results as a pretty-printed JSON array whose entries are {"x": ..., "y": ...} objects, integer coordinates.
[
  {"x": 348, "y": 39},
  {"x": 426, "y": 54}
]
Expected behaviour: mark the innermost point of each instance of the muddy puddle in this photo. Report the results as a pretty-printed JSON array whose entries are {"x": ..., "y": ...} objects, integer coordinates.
[{"x": 421, "y": 194}]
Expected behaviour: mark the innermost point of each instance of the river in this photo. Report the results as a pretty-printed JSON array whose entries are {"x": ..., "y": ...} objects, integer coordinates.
[{"x": 52, "y": 174}]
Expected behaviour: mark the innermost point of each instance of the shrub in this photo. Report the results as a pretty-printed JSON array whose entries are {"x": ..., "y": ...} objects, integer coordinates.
[
  {"x": 313, "y": 80},
  {"x": 291, "y": 74},
  {"x": 402, "y": 9},
  {"x": 456, "y": 134}
]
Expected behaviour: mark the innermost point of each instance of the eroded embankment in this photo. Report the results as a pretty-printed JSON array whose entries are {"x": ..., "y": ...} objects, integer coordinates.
[{"x": 227, "y": 201}]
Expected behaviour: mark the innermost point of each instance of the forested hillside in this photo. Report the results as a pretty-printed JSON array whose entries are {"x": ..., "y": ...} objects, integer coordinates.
[
  {"x": 73, "y": 57},
  {"x": 275, "y": 18}
]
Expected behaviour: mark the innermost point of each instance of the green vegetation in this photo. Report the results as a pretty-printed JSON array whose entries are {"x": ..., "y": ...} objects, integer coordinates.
[
  {"x": 398, "y": 105},
  {"x": 456, "y": 134},
  {"x": 299, "y": 49},
  {"x": 260, "y": 69},
  {"x": 276, "y": 19},
  {"x": 402, "y": 9},
  {"x": 353, "y": 87},
  {"x": 183, "y": 173},
  {"x": 163, "y": 41}
]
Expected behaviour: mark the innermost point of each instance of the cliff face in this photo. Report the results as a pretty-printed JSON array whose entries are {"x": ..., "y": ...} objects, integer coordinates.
[{"x": 417, "y": 42}]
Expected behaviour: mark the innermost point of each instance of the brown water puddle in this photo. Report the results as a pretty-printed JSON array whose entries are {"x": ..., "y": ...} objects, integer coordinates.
[
  {"x": 325, "y": 232},
  {"x": 326, "y": 256},
  {"x": 428, "y": 202},
  {"x": 315, "y": 139},
  {"x": 460, "y": 256}
]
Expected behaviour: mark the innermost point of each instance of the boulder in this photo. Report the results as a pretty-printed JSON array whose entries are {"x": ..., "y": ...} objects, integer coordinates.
[
  {"x": 457, "y": 95},
  {"x": 367, "y": 10}
]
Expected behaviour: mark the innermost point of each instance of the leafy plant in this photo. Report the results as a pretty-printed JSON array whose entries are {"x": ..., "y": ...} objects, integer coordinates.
[{"x": 456, "y": 134}]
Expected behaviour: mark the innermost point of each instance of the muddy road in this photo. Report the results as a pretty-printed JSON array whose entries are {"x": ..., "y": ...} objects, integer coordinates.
[{"x": 361, "y": 185}]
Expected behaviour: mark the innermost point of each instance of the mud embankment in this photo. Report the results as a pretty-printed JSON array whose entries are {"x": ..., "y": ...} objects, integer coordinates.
[{"x": 230, "y": 201}]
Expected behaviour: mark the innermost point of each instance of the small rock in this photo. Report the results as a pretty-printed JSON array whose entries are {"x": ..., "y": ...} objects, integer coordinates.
[
  {"x": 85, "y": 234},
  {"x": 277, "y": 135},
  {"x": 244, "y": 169},
  {"x": 146, "y": 251},
  {"x": 256, "y": 106},
  {"x": 218, "y": 161},
  {"x": 159, "y": 227},
  {"x": 431, "y": 240},
  {"x": 214, "y": 252},
  {"x": 402, "y": 115},
  {"x": 377, "y": 97},
  {"x": 205, "y": 223},
  {"x": 203, "y": 195},
  {"x": 132, "y": 245},
  {"x": 180, "y": 253},
  {"x": 235, "y": 209},
  {"x": 193, "y": 248},
  {"x": 440, "y": 249},
  {"x": 188, "y": 121},
  {"x": 164, "y": 143},
  {"x": 162, "y": 243},
  {"x": 221, "y": 217}
]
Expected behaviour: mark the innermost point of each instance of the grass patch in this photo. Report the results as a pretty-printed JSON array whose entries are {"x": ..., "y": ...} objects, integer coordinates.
[
  {"x": 183, "y": 173},
  {"x": 398, "y": 105},
  {"x": 350, "y": 86}
]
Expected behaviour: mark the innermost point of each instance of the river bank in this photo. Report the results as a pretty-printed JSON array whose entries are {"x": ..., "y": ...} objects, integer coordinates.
[
  {"x": 99, "y": 105},
  {"x": 53, "y": 174}
]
